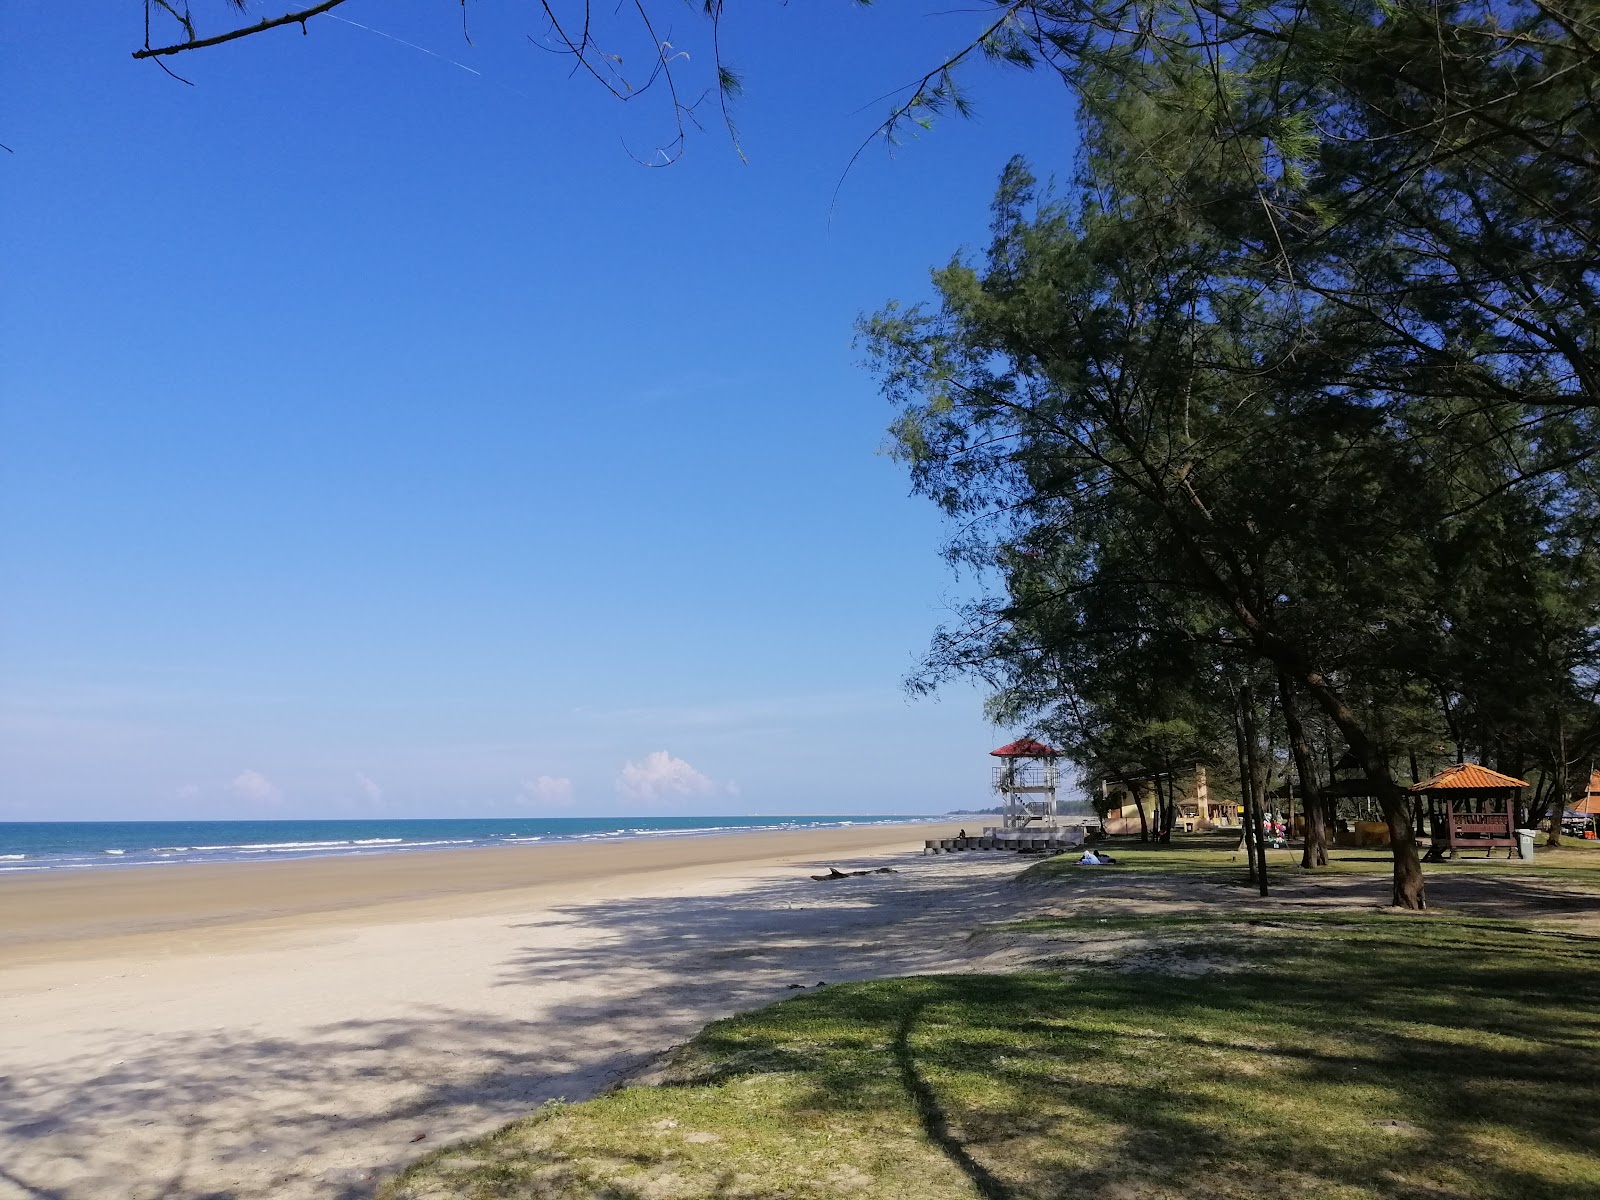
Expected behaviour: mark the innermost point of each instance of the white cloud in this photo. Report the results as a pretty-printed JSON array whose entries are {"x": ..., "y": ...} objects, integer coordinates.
[
  {"x": 256, "y": 787},
  {"x": 188, "y": 791},
  {"x": 547, "y": 789},
  {"x": 658, "y": 775},
  {"x": 369, "y": 785}
]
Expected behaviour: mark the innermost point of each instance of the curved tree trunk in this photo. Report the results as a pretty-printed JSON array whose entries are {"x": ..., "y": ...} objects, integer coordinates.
[
  {"x": 1409, "y": 891},
  {"x": 1138, "y": 803},
  {"x": 1395, "y": 801}
]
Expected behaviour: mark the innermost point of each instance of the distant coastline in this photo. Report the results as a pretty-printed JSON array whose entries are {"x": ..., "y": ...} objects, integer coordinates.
[{"x": 40, "y": 847}]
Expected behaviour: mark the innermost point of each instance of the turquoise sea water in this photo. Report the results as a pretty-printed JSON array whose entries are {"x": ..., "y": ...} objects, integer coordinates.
[{"x": 82, "y": 845}]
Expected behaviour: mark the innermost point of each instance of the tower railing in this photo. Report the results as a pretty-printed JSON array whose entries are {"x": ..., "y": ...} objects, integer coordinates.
[{"x": 1026, "y": 773}]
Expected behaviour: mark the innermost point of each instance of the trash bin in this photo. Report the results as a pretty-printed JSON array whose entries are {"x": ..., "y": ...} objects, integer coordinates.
[{"x": 1525, "y": 843}]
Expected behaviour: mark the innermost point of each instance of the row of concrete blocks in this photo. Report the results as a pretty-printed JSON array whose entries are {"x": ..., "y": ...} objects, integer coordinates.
[{"x": 1023, "y": 844}]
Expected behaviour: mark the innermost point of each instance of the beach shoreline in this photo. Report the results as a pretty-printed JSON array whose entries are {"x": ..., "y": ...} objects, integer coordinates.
[
  {"x": 66, "y": 914},
  {"x": 300, "y": 1029},
  {"x": 35, "y": 847}
]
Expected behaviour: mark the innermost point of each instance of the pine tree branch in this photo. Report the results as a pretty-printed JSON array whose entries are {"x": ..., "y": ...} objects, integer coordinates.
[{"x": 295, "y": 18}]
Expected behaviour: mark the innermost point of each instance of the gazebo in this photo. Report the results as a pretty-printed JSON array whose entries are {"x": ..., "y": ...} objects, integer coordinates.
[
  {"x": 1587, "y": 807},
  {"x": 1364, "y": 826},
  {"x": 1470, "y": 808}
]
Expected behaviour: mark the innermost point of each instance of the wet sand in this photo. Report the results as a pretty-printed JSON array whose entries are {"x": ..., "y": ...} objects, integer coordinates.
[{"x": 50, "y": 916}]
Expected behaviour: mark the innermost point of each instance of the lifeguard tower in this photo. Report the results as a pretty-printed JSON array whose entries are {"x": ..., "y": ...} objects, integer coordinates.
[{"x": 1026, "y": 778}]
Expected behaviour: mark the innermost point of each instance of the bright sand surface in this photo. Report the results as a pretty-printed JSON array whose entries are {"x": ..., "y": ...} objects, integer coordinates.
[{"x": 300, "y": 1029}]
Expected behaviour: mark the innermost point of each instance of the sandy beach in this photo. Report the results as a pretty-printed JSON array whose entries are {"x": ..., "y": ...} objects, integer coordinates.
[{"x": 300, "y": 1029}]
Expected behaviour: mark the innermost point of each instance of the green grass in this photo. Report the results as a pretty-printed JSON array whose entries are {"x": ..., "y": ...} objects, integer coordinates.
[
  {"x": 1212, "y": 858},
  {"x": 1336, "y": 1056}
]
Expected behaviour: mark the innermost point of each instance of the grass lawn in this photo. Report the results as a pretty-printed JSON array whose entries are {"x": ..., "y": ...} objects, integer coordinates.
[
  {"x": 1231, "y": 1053},
  {"x": 1211, "y": 857},
  {"x": 1306, "y": 1054}
]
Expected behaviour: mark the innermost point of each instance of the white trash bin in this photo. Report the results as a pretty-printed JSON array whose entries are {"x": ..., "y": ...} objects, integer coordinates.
[{"x": 1525, "y": 843}]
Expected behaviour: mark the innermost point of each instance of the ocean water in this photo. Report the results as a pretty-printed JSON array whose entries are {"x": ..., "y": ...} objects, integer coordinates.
[{"x": 86, "y": 845}]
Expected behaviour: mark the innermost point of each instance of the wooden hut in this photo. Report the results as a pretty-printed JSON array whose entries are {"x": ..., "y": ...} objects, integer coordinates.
[
  {"x": 1470, "y": 808},
  {"x": 1357, "y": 818}
]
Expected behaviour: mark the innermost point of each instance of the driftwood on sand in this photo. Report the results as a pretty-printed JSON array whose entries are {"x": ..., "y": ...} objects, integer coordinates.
[{"x": 835, "y": 873}]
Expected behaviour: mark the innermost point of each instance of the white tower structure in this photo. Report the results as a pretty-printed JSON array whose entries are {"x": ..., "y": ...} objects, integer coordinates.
[{"x": 1026, "y": 778}]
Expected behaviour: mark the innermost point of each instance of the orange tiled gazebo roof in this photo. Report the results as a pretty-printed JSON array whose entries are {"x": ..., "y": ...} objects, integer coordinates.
[
  {"x": 1468, "y": 777},
  {"x": 1590, "y": 801}
]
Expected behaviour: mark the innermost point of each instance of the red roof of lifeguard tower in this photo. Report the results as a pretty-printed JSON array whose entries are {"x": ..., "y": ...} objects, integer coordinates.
[{"x": 1025, "y": 748}]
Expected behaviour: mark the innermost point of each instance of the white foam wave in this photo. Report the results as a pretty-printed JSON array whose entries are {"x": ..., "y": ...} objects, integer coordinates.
[
  {"x": 263, "y": 847},
  {"x": 304, "y": 847}
]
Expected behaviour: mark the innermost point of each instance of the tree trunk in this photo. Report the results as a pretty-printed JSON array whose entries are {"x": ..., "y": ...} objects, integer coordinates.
[
  {"x": 1288, "y": 809},
  {"x": 1246, "y": 827},
  {"x": 1563, "y": 796},
  {"x": 1169, "y": 809},
  {"x": 1315, "y": 853},
  {"x": 1530, "y": 817},
  {"x": 1450, "y": 721},
  {"x": 1395, "y": 801},
  {"x": 1258, "y": 781},
  {"x": 1138, "y": 802}
]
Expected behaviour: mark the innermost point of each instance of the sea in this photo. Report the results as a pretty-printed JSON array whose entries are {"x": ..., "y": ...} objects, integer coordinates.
[{"x": 116, "y": 845}]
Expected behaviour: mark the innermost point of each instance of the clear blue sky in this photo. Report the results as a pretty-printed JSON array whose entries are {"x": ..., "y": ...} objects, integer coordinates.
[{"x": 380, "y": 437}]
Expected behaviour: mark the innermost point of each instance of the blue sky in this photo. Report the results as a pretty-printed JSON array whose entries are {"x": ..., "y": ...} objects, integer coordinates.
[{"x": 378, "y": 436}]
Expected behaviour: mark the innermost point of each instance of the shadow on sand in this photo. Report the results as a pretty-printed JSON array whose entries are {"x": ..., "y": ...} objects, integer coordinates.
[{"x": 222, "y": 1115}]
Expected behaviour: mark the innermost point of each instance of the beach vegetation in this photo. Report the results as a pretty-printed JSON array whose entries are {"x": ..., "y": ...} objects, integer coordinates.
[{"x": 1251, "y": 429}]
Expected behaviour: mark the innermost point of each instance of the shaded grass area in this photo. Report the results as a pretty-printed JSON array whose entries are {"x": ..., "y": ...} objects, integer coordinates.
[
  {"x": 1213, "y": 857},
  {"x": 1338, "y": 1056}
]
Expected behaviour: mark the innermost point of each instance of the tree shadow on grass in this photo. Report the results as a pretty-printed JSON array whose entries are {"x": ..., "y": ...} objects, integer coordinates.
[
  {"x": 1360, "y": 1066},
  {"x": 931, "y": 1115}
]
